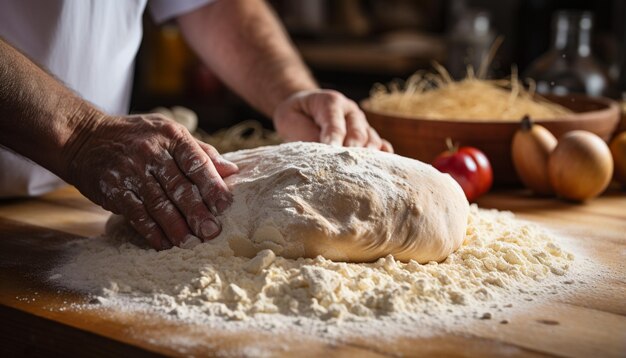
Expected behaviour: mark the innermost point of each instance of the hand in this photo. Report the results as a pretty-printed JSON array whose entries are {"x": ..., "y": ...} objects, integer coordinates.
[
  {"x": 150, "y": 169},
  {"x": 326, "y": 116}
]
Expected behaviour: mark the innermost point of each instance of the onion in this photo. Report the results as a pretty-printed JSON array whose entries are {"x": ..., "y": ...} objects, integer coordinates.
[
  {"x": 618, "y": 150},
  {"x": 580, "y": 167},
  {"x": 530, "y": 149}
]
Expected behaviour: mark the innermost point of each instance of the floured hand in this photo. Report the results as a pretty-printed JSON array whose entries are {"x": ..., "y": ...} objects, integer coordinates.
[
  {"x": 150, "y": 169},
  {"x": 328, "y": 117}
]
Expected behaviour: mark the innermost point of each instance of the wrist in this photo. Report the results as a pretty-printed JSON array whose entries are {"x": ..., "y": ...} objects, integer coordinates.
[
  {"x": 82, "y": 124},
  {"x": 297, "y": 79},
  {"x": 289, "y": 96}
]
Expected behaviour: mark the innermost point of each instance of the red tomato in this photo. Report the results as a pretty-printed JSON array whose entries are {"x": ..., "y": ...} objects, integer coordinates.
[
  {"x": 484, "y": 168},
  {"x": 469, "y": 167}
]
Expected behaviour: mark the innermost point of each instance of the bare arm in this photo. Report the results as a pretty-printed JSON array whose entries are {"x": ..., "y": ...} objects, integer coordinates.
[
  {"x": 244, "y": 44},
  {"x": 39, "y": 117},
  {"x": 146, "y": 167},
  {"x": 242, "y": 41}
]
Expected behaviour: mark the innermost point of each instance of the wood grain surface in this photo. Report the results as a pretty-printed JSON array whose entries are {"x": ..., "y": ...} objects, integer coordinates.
[{"x": 35, "y": 319}]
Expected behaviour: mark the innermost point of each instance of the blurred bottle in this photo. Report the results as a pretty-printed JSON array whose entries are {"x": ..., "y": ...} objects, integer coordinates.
[
  {"x": 168, "y": 58},
  {"x": 569, "y": 66},
  {"x": 468, "y": 42}
]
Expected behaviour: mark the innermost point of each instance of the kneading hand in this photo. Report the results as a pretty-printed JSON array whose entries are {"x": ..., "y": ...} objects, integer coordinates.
[
  {"x": 326, "y": 116},
  {"x": 151, "y": 170}
]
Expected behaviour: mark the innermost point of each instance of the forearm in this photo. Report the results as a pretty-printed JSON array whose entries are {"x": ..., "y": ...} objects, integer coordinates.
[
  {"x": 39, "y": 117},
  {"x": 244, "y": 44}
]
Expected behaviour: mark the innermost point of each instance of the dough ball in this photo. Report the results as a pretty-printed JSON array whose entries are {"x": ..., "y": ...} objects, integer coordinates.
[{"x": 346, "y": 204}]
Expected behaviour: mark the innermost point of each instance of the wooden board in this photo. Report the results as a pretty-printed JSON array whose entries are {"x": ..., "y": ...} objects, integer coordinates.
[{"x": 34, "y": 322}]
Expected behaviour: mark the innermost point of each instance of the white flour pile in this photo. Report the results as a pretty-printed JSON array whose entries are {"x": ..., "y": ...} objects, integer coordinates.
[{"x": 500, "y": 258}]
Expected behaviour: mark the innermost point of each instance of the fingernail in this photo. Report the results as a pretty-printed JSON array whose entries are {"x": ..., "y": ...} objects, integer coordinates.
[
  {"x": 228, "y": 165},
  {"x": 226, "y": 161},
  {"x": 221, "y": 205},
  {"x": 189, "y": 242},
  {"x": 332, "y": 140},
  {"x": 209, "y": 229}
]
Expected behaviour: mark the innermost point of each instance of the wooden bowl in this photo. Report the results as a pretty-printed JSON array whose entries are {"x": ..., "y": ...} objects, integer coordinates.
[
  {"x": 621, "y": 127},
  {"x": 424, "y": 139}
]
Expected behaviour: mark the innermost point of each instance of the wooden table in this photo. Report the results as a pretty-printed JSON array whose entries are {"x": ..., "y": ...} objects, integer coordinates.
[{"x": 33, "y": 322}]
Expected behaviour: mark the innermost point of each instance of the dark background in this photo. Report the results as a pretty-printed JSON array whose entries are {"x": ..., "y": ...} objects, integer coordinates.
[{"x": 352, "y": 44}]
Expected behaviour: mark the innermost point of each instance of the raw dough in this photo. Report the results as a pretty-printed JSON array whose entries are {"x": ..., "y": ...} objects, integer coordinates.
[{"x": 345, "y": 204}]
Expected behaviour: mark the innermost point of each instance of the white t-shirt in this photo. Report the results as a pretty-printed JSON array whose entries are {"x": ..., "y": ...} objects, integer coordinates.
[{"x": 90, "y": 45}]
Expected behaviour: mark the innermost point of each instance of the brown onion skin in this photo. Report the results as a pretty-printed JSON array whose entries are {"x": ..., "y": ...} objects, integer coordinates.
[
  {"x": 530, "y": 151},
  {"x": 581, "y": 166},
  {"x": 618, "y": 150}
]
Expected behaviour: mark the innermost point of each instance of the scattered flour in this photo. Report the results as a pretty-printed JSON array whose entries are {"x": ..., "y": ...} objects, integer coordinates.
[{"x": 502, "y": 260}]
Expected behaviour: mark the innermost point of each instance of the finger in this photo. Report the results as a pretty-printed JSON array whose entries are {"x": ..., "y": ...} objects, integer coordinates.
[
  {"x": 328, "y": 114},
  {"x": 186, "y": 197},
  {"x": 387, "y": 147},
  {"x": 137, "y": 216},
  {"x": 224, "y": 167},
  {"x": 357, "y": 128},
  {"x": 374, "y": 140},
  {"x": 297, "y": 127},
  {"x": 198, "y": 167},
  {"x": 161, "y": 208}
]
